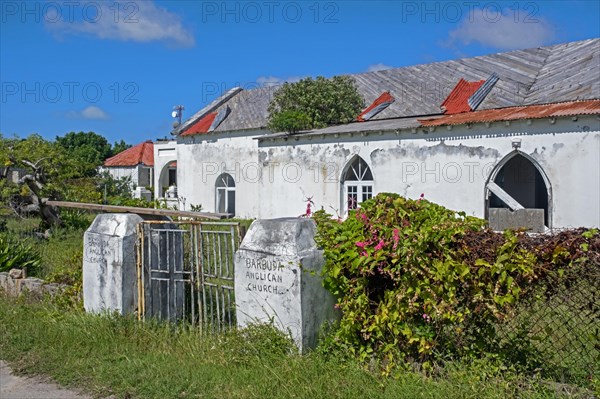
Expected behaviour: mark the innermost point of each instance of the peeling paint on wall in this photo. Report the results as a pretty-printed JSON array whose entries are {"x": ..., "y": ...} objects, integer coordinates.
[{"x": 422, "y": 153}]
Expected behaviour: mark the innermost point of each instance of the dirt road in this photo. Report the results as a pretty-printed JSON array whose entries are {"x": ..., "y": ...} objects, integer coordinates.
[{"x": 14, "y": 387}]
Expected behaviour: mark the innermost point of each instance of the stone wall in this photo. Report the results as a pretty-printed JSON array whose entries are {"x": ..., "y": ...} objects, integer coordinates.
[{"x": 15, "y": 282}]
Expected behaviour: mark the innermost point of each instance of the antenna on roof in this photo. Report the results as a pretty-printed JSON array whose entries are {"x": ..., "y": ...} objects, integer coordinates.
[{"x": 177, "y": 113}]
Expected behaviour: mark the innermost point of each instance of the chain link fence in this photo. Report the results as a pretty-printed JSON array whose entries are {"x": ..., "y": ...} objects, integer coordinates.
[{"x": 555, "y": 330}]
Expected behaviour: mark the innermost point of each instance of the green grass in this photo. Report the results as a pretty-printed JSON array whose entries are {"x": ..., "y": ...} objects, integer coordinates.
[
  {"x": 114, "y": 355},
  {"x": 60, "y": 252}
]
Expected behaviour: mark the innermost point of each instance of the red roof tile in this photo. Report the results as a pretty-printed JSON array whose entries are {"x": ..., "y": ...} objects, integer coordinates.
[
  {"x": 386, "y": 97},
  {"x": 142, "y": 153},
  {"x": 201, "y": 126},
  {"x": 457, "y": 100},
  {"x": 571, "y": 108}
]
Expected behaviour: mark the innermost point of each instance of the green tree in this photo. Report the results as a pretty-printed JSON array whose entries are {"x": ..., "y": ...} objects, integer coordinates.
[
  {"x": 119, "y": 146},
  {"x": 314, "y": 103},
  {"x": 47, "y": 167},
  {"x": 88, "y": 150}
]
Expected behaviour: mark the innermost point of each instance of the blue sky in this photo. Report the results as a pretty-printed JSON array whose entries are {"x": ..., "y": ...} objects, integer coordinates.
[{"x": 119, "y": 67}]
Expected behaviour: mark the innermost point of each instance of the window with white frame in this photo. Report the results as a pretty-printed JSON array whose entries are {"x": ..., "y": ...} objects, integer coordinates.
[
  {"x": 225, "y": 194},
  {"x": 357, "y": 184}
]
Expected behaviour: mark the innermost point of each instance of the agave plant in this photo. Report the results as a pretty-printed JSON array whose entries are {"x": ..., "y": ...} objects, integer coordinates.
[{"x": 17, "y": 254}]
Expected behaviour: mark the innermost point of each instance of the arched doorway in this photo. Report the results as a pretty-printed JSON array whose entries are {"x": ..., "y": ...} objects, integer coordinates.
[
  {"x": 357, "y": 184},
  {"x": 168, "y": 178},
  {"x": 519, "y": 184}
]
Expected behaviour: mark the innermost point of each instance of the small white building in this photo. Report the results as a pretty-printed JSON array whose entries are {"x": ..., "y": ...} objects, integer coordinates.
[
  {"x": 135, "y": 163},
  {"x": 515, "y": 133}
]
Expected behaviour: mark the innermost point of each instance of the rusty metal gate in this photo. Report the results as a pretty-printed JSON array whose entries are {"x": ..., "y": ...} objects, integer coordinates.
[{"x": 185, "y": 272}]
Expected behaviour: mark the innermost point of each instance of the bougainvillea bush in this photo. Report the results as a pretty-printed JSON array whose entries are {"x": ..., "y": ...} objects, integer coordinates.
[{"x": 416, "y": 281}]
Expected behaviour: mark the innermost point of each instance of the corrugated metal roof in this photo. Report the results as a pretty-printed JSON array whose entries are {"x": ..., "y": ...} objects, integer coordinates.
[
  {"x": 571, "y": 108},
  {"x": 202, "y": 125},
  {"x": 142, "y": 153},
  {"x": 458, "y": 99},
  {"x": 564, "y": 72}
]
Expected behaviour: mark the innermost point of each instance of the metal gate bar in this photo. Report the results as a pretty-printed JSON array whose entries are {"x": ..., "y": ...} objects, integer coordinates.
[{"x": 186, "y": 274}]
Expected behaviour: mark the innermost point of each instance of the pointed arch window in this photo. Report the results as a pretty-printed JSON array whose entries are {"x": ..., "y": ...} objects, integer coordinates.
[
  {"x": 225, "y": 187},
  {"x": 357, "y": 184}
]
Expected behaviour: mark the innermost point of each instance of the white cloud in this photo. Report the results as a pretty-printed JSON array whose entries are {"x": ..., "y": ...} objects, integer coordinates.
[
  {"x": 502, "y": 30},
  {"x": 139, "y": 21},
  {"x": 378, "y": 67},
  {"x": 91, "y": 112},
  {"x": 275, "y": 81}
]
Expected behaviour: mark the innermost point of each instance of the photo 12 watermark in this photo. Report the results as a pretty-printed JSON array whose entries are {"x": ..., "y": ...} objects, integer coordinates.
[
  {"x": 253, "y": 12},
  {"x": 68, "y": 11},
  {"x": 332, "y": 173},
  {"x": 470, "y": 11},
  {"x": 68, "y": 92}
]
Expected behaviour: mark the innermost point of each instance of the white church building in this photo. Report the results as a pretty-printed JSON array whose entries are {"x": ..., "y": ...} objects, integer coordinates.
[{"x": 513, "y": 136}]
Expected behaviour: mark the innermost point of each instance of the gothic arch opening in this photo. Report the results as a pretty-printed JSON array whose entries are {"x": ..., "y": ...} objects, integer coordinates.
[{"x": 518, "y": 183}]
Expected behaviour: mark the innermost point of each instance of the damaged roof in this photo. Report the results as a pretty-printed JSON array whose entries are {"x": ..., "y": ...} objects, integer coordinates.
[
  {"x": 142, "y": 153},
  {"x": 560, "y": 73},
  {"x": 571, "y": 108}
]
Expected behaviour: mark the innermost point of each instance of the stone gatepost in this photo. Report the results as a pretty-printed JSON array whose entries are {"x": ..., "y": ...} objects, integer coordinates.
[
  {"x": 109, "y": 264},
  {"x": 277, "y": 278}
]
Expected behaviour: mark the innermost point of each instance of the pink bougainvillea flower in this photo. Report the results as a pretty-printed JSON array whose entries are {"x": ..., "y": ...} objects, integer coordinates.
[
  {"x": 379, "y": 246},
  {"x": 421, "y": 197},
  {"x": 396, "y": 237},
  {"x": 364, "y": 253},
  {"x": 361, "y": 244}
]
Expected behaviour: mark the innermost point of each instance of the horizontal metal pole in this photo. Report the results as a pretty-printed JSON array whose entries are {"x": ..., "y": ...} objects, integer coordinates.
[{"x": 140, "y": 211}]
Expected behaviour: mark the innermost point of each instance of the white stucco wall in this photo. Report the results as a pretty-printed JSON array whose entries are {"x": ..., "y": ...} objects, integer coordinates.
[
  {"x": 203, "y": 157},
  {"x": 165, "y": 152},
  {"x": 133, "y": 172},
  {"x": 450, "y": 167}
]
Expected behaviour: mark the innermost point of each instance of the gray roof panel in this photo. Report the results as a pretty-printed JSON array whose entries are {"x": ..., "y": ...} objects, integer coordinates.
[{"x": 558, "y": 73}]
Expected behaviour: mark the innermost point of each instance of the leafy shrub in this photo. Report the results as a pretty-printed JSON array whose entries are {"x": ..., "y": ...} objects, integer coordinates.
[
  {"x": 75, "y": 219},
  {"x": 290, "y": 121},
  {"x": 415, "y": 280},
  {"x": 314, "y": 103},
  {"x": 17, "y": 254}
]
